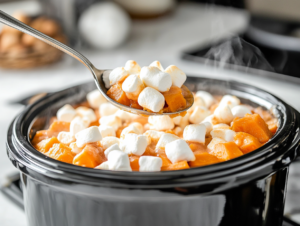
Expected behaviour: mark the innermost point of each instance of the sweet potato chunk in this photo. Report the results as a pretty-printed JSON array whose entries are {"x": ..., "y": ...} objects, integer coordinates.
[
  {"x": 135, "y": 104},
  {"x": 134, "y": 162},
  {"x": 197, "y": 147},
  {"x": 45, "y": 145},
  {"x": 117, "y": 94},
  {"x": 59, "y": 126},
  {"x": 40, "y": 136},
  {"x": 254, "y": 125},
  {"x": 91, "y": 156},
  {"x": 226, "y": 151},
  {"x": 61, "y": 152},
  {"x": 246, "y": 142},
  {"x": 165, "y": 161},
  {"x": 176, "y": 166},
  {"x": 174, "y": 99},
  {"x": 203, "y": 159}
]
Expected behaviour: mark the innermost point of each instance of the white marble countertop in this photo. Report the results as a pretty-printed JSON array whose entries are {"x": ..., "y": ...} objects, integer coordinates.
[{"x": 190, "y": 25}]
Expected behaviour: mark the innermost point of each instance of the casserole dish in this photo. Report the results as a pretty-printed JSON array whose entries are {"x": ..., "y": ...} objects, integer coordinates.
[{"x": 249, "y": 190}]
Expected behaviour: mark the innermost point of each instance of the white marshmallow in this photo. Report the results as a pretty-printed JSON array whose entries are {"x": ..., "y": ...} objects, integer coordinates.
[
  {"x": 208, "y": 126},
  {"x": 118, "y": 160},
  {"x": 207, "y": 97},
  {"x": 103, "y": 166},
  {"x": 157, "y": 64},
  {"x": 95, "y": 98},
  {"x": 150, "y": 163},
  {"x": 179, "y": 150},
  {"x": 107, "y": 131},
  {"x": 240, "y": 111},
  {"x": 107, "y": 142},
  {"x": 198, "y": 102},
  {"x": 132, "y": 67},
  {"x": 211, "y": 119},
  {"x": 111, "y": 120},
  {"x": 133, "y": 86},
  {"x": 161, "y": 122},
  {"x": 224, "y": 134},
  {"x": 138, "y": 125},
  {"x": 223, "y": 114},
  {"x": 153, "y": 136},
  {"x": 78, "y": 124},
  {"x": 65, "y": 137},
  {"x": 66, "y": 113},
  {"x": 199, "y": 114},
  {"x": 89, "y": 135},
  {"x": 134, "y": 144},
  {"x": 195, "y": 133},
  {"x": 106, "y": 79},
  {"x": 177, "y": 120},
  {"x": 76, "y": 150},
  {"x": 177, "y": 75},
  {"x": 87, "y": 113},
  {"x": 151, "y": 99},
  {"x": 178, "y": 131},
  {"x": 156, "y": 79},
  {"x": 123, "y": 115},
  {"x": 119, "y": 74},
  {"x": 129, "y": 129},
  {"x": 213, "y": 142},
  {"x": 107, "y": 109},
  {"x": 221, "y": 126},
  {"x": 165, "y": 139},
  {"x": 230, "y": 100},
  {"x": 111, "y": 148}
]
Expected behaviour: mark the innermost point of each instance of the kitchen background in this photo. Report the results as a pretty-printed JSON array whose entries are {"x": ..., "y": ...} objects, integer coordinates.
[{"x": 252, "y": 41}]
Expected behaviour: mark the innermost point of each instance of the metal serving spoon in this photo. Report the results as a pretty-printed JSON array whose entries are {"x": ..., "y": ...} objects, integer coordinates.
[{"x": 97, "y": 74}]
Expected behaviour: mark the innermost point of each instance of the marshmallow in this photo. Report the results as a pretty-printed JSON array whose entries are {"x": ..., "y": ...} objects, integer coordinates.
[
  {"x": 177, "y": 120},
  {"x": 134, "y": 144},
  {"x": 129, "y": 129},
  {"x": 86, "y": 113},
  {"x": 118, "y": 160},
  {"x": 198, "y": 102},
  {"x": 153, "y": 136},
  {"x": 199, "y": 114},
  {"x": 66, "y": 113},
  {"x": 111, "y": 120},
  {"x": 224, "y": 134},
  {"x": 156, "y": 79},
  {"x": 107, "y": 109},
  {"x": 78, "y": 124},
  {"x": 177, "y": 75},
  {"x": 179, "y": 150},
  {"x": 103, "y": 166},
  {"x": 221, "y": 126},
  {"x": 138, "y": 125},
  {"x": 133, "y": 86},
  {"x": 95, "y": 98},
  {"x": 105, "y": 78},
  {"x": 107, "y": 142},
  {"x": 65, "y": 137},
  {"x": 89, "y": 135},
  {"x": 111, "y": 148},
  {"x": 195, "y": 133},
  {"x": 107, "y": 131},
  {"x": 240, "y": 111},
  {"x": 178, "y": 131},
  {"x": 215, "y": 141},
  {"x": 157, "y": 64},
  {"x": 211, "y": 119},
  {"x": 123, "y": 115},
  {"x": 150, "y": 163},
  {"x": 132, "y": 67},
  {"x": 119, "y": 74},
  {"x": 165, "y": 139},
  {"x": 208, "y": 126},
  {"x": 230, "y": 100},
  {"x": 76, "y": 150},
  {"x": 207, "y": 97},
  {"x": 151, "y": 99},
  {"x": 223, "y": 114},
  {"x": 161, "y": 122}
]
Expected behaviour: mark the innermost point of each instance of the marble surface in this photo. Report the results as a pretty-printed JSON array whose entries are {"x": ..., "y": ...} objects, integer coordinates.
[{"x": 161, "y": 39}]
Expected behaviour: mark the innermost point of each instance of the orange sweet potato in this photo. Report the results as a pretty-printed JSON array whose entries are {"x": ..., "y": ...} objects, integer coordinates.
[
  {"x": 254, "y": 125},
  {"x": 61, "y": 152},
  {"x": 197, "y": 147},
  {"x": 91, "y": 156},
  {"x": 59, "y": 126},
  {"x": 134, "y": 162},
  {"x": 174, "y": 99},
  {"x": 176, "y": 166},
  {"x": 45, "y": 145},
  {"x": 203, "y": 159},
  {"x": 226, "y": 151},
  {"x": 135, "y": 104},
  {"x": 40, "y": 136},
  {"x": 165, "y": 161},
  {"x": 116, "y": 93},
  {"x": 246, "y": 142}
]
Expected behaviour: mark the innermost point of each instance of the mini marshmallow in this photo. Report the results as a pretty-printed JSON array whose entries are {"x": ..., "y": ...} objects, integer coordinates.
[
  {"x": 76, "y": 150},
  {"x": 89, "y": 135},
  {"x": 165, "y": 139},
  {"x": 221, "y": 126},
  {"x": 156, "y": 79},
  {"x": 66, "y": 113},
  {"x": 86, "y": 113},
  {"x": 223, "y": 114},
  {"x": 132, "y": 67},
  {"x": 107, "y": 131},
  {"x": 111, "y": 148},
  {"x": 157, "y": 64},
  {"x": 138, "y": 125},
  {"x": 199, "y": 114},
  {"x": 208, "y": 126},
  {"x": 240, "y": 111},
  {"x": 207, "y": 97},
  {"x": 111, "y": 120},
  {"x": 195, "y": 133},
  {"x": 123, "y": 115},
  {"x": 129, "y": 129},
  {"x": 177, "y": 120},
  {"x": 95, "y": 98},
  {"x": 65, "y": 137},
  {"x": 161, "y": 122},
  {"x": 224, "y": 134},
  {"x": 179, "y": 150},
  {"x": 230, "y": 100},
  {"x": 198, "y": 102},
  {"x": 119, "y": 74},
  {"x": 177, "y": 75},
  {"x": 215, "y": 141},
  {"x": 133, "y": 86},
  {"x": 134, "y": 144},
  {"x": 153, "y": 136},
  {"x": 118, "y": 160},
  {"x": 211, "y": 119},
  {"x": 178, "y": 131},
  {"x": 78, "y": 124},
  {"x": 103, "y": 166},
  {"x": 151, "y": 99},
  {"x": 107, "y": 109},
  {"x": 150, "y": 163},
  {"x": 107, "y": 142},
  {"x": 106, "y": 79}
]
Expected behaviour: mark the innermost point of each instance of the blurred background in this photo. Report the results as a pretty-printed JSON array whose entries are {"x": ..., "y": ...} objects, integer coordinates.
[{"x": 252, "y": 41}]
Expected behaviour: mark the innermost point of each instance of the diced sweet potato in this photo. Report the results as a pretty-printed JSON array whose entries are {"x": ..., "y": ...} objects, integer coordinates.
[
  {"x": 59, "y": 126},
  {"x": 40, "y": 136},
  {"x": 254, "y": 125},
  {"x": 174, "y": 99},
  {"x": 165, "y": 161},
  {"x": 61, "y": 152},
  {"x": 197, "y": 147},
  {"x": 90, "y": 156},
  {"x": 246, "y": 142},
  {"x": 226, "y": 151},
  {"x": 176, "y": 166},
  {"x": 117, "y": 94},
  {"x": 135, "y": 104},
  {"x": 150, "y": 150},
  {"x": 45, "y": 145},
  {"x": 203, "y": 159},
  {"x": 134, "y": 162}
]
